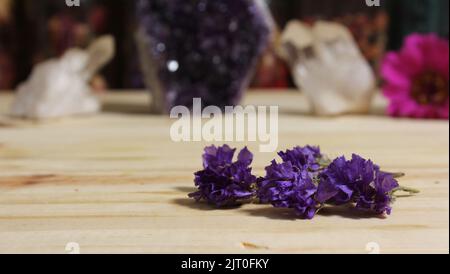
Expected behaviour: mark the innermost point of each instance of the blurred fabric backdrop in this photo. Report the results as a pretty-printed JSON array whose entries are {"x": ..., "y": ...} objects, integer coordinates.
[{"x": 32, "y": 31}]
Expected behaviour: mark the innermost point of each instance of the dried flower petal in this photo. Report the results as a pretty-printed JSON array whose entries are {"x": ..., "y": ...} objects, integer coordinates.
[
  {"x": 290, "y": 184},
  {"x": 304, "y": 158},
  {"x": 222, "y": 182},
  {"x": 357, "y": 181}
]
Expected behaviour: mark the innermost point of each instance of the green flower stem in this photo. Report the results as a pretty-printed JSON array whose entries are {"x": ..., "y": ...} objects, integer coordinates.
[
  {"x": 397, "y": 175},
  {"x": 409, "y": 190}
]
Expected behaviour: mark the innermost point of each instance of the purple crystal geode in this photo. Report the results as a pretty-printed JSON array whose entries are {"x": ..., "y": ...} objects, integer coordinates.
[{"x": 204, "y": 49}]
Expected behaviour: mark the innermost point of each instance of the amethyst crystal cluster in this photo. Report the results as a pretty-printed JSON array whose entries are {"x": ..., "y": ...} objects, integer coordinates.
[
  {"x": 305, "y": 181},
  {"x": 200, "y": 48}
]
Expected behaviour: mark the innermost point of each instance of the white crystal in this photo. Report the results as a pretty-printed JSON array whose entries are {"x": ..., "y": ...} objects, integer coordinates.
[
  {"x": 60, "y": 87},
  {"x": 328, "y": 66}
]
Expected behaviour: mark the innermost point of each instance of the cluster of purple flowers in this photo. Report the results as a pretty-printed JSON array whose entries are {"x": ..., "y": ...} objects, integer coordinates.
[
  {"x": 304, "y": 181},
  {"x": 291, "y": 183},
  {"x": 357, "y": 181},
  {"x": 223, "y": 182}
]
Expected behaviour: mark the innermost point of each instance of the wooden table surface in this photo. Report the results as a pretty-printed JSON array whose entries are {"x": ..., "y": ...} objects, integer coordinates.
[{"x": 116, "y": 183}]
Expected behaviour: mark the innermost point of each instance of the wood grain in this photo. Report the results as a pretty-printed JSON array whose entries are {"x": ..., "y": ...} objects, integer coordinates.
[{"x": 116, "y": 183}]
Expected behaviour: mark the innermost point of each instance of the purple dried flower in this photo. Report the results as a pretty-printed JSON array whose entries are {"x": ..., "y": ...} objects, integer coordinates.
[
  {"x": 357, "y": 181},
  {"x": 223, "y": 182},
  {"x": 305, "y": 181},
  {"x": 303, "y": 158},
  {"x": 290, "y": 184},
  {"x": 285, "y": 186}
]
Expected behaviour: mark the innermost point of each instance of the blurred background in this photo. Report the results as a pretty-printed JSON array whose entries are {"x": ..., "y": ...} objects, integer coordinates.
[{"x": 32, "y": 31}]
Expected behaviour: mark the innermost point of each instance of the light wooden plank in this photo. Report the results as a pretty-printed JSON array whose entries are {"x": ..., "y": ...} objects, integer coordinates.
[{"x": 115, "y": 182}]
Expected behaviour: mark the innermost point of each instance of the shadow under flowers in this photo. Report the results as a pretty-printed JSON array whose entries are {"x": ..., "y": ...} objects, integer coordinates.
[
  {"x": 267, "y": 211},
  {"x": 348, "y": 212},
  {"x": 191, "y": 203}
]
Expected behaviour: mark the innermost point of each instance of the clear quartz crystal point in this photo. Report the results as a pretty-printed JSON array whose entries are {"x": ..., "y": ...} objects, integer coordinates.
[
  {"x": 60, "y": 87},
  {"x": 328, "y": 66}
]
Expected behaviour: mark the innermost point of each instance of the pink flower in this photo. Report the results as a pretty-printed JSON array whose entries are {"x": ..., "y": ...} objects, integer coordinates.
[{"x": 416, "y": 78}]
